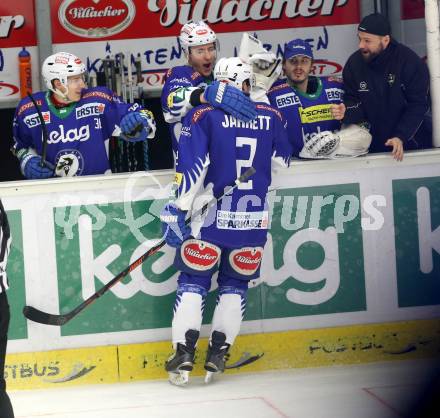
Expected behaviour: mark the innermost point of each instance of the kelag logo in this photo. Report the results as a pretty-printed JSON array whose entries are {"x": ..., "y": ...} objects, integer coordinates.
[
  {"x": 315, "y": 248},
  {"x": 417, "y": 236},
  {"x": 313, "y": 261}
]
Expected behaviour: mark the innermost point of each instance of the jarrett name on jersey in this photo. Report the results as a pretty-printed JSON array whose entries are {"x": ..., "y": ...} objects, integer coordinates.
[
  {"x": 214, "y": 149},
  {"x": 307, "y": 114},
  {"x": 78, "y": 134}
]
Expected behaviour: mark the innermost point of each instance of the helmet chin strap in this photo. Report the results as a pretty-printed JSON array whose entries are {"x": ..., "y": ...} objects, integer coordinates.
[{"x": 64, "y": 96}]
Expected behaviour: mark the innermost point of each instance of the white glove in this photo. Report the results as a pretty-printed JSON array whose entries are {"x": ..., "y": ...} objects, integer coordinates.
[{"x": 262, "y": 60}]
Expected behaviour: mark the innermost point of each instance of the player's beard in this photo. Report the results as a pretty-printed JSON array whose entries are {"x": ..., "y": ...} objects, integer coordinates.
[{"x": 371, "y": 55}]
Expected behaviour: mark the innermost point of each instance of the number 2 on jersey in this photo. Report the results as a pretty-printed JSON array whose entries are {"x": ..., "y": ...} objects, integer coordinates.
[{"x": 242, "y": 141}]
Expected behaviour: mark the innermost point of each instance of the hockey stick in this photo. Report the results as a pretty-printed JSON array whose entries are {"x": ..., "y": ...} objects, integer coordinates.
[
  {"x": 44, "y": 130},
  {"x": 36, "y": 315}
]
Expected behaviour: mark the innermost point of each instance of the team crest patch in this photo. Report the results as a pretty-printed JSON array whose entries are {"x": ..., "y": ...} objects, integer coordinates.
[
  {"x": 199, "y": 255},
  {"x": 246, "y": 260},
  {"x": 70, "y": 162}
]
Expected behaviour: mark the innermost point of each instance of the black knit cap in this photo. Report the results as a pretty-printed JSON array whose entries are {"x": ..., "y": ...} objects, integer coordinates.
[{"x": 376, "y": 24}]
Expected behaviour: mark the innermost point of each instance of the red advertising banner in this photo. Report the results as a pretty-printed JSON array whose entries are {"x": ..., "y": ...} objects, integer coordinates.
[
  {"x": 17, "y": 23},
  {"x": 412, "y": 9},
  {"x": 86, "y": 20}
]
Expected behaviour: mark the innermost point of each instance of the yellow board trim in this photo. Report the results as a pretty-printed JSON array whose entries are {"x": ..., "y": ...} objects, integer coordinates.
[{"x": 280, "y": 350}]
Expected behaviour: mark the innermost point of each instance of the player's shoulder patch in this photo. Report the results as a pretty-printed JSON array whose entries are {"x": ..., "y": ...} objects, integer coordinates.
[
  {"x": 270, "y": 109},
  {"x": 179, "y": 75},
  {"x": 279, "y": 85},
  {"x": 195, "y": 75},
  {"x": 200, "y": 112},
  {"x": 26, "y": 103},
  {"x": 98, "y": 93}
]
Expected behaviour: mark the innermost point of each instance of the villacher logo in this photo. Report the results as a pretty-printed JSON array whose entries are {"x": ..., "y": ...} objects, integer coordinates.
[{"x": 96, "y": 18}]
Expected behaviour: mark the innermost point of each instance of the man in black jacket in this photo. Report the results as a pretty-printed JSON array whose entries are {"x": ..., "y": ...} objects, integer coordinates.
[
  {"x": 5, "y": 241},
  {"x": 386, "y": 86}
]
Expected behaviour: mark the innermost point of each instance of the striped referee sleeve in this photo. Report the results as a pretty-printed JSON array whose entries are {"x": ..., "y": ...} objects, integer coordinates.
[{"x": 5, "y": 243}]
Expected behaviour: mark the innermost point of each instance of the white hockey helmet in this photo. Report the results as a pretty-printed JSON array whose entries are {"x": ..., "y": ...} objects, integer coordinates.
[
  {"x": 60, "y": 66},
  {"x": 233, "y": 71},
  {"x": 196, "y": 34}
]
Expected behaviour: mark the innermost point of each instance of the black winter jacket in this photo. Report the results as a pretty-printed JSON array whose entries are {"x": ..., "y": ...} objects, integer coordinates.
[{"x": 390, "y": 93}]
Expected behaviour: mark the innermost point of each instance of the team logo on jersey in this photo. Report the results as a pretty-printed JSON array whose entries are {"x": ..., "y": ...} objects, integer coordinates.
[
  {"x": 90, "y": 109},
  {"x": 71, "y": 135},
  {"x": 185, "y": 131},
  {"x": 199, "y": 255},
  {"x": 246, "y": 260},
  {"x": 96, "y": 19},
  {"x": 33, "y": 120},
  {"x": 70, "y": 162},
  {"x": 363, "y": 86},
  {"x": 334, "y": 94},
  {"x": 286, "y": 100},
  {"x": 391, "y": 79}
]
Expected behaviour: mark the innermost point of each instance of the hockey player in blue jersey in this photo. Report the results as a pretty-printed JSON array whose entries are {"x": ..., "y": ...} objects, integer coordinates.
[
  {"x": 310, "y": 104},
  {"x": 214, "y": 149},
  {"x": 187, "y": 86},
  {"x": 79, "y": 122}
]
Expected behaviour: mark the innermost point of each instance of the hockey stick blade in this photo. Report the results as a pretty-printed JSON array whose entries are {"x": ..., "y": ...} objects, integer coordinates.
[
  {"x": 244, "y": 361},
  {"x": 45, "y": 318}
]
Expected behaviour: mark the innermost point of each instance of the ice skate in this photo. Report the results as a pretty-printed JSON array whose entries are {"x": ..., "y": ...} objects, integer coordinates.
[
  {"x": 181, "y": 363},
  {"x": 215, "y": 357}
]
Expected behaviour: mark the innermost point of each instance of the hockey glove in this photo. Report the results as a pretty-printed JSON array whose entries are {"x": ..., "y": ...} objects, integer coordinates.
[
  {"x": 137, "y": 126},
  {"x": 173, "y": 225},
  {"x": 231, "y": 100},
  {"x": 33, "y": 169},
  {"x": 263, "y": 60}
]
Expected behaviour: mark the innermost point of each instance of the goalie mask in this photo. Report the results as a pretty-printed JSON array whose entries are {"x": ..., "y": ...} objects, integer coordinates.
[
  {"x": 196, "y": 34},
  {"x": 233, "y": 71},
  {"x": 61, "y": 66},
  {"x": 266, "y": 67}
]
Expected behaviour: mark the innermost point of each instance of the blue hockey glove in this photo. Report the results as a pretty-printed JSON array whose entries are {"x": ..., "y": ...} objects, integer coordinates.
[
  {"x": 231, "y": 100},
  {"x": 136, "y": 126},
  {"x": 32, "y": 169},
  {"x": 173, "y": 225}
]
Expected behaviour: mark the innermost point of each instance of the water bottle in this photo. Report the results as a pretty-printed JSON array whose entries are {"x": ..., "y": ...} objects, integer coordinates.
[{"x": 24, "y": 63}]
